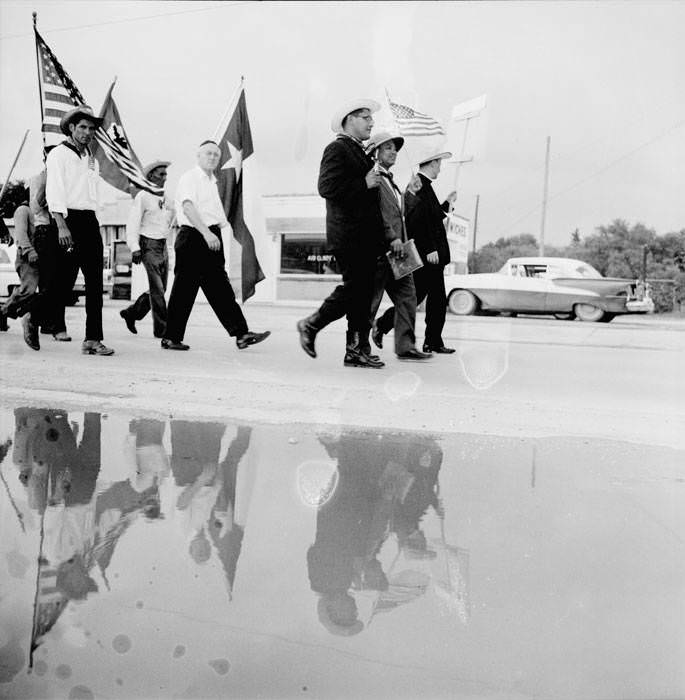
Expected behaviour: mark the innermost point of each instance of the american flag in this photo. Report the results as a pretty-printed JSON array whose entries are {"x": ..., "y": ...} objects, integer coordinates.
[
  {"x": 119, "y": 166},
  {"x": 413, "y": 123}
]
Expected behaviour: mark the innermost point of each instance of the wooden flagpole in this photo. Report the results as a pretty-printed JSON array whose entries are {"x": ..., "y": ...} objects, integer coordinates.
[
  {"x": 40, "y": 91},
  {"x": 9, "y": 174}
]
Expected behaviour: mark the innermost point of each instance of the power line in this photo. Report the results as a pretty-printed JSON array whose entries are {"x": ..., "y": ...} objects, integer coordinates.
[
  {"x": 602, "y": 170},
  {"x": 217, "y": 6}
]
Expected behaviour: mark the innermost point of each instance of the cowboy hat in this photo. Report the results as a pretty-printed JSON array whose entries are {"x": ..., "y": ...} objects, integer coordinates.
[
  {"x": 434, "y": 155},
  {"x": 382, "y": 137},
  {"x": 352, "y": 106},
  {"x": 155, "y": 164},
  {"x": 80, "y": 112}
]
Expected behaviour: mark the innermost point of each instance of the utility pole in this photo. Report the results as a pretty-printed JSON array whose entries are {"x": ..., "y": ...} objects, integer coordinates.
[
  {"x": 544, "y": 200},
  {"x": 475, "y": 231}
]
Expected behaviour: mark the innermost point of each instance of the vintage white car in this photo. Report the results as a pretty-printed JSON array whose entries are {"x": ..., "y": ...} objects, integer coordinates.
[
  {"x": 561, "y": 287},
  {"x": 8, "y": 275}
]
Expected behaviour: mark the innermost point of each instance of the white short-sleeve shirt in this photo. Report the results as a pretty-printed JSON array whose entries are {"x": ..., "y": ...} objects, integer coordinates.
[{"x": 200, "y": 188}]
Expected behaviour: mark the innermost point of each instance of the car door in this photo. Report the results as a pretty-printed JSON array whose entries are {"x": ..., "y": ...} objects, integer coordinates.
[{"x": 524, "y": 290}]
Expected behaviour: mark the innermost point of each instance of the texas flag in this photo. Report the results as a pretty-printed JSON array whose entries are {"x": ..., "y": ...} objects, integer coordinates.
[{"x": 235, "y": 142}]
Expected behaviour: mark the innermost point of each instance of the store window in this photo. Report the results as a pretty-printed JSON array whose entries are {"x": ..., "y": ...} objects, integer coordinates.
[{"x": 306, "y": 254}]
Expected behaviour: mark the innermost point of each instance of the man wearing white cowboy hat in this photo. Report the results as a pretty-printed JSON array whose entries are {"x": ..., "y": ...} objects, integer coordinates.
[
  {"x": 147, "y": 230},
  {"x": 348, "y": 181},
  {"x": 384, "y": 147},
  {"x": 424, "y": 217},
  {"x": 71, "y": 190}
]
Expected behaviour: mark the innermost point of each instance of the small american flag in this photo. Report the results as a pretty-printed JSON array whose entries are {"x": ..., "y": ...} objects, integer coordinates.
[
  {"x": 119, "y": 165},
  {"x": 413, "y": 123}
]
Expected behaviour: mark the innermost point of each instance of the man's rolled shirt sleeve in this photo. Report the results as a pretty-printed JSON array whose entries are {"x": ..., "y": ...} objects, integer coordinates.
[{"x": 135, "y": 218}]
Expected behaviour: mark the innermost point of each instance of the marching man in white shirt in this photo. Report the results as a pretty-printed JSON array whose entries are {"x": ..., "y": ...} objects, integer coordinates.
[
  {"x": 200, "y": 261},
  {"x": 146, "y": 235},
  {"x": 72, "y": 194}
]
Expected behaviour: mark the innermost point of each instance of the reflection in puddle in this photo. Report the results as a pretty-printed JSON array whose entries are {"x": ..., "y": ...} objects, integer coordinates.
[{"x": 268, "y": 560}]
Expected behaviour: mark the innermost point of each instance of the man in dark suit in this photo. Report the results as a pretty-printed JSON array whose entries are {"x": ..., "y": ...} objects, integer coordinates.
[
  {"x": 424, "y": 218},
  {"x": 384, "y": 148},
  {"x": 349, "y": 183}
]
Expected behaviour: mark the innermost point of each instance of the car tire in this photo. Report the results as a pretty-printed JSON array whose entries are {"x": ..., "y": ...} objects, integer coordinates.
[
  {"x": 570, "y": 316},
  {"x": 462, "y": 302},
  {"x": 588, "y": 313}
]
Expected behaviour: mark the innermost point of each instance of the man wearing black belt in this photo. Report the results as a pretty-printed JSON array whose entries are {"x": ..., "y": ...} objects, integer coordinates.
[
  {"x": 72, "y": 195},
  {"x": 200, "y": 261},
  {"x": 348, "y": 181}
]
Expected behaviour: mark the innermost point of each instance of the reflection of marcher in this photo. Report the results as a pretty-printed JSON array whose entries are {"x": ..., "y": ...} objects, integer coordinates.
[
  {"x": 195, "y": 449},
  {"x": 61, "y": 482},
  {"x": 384, "y": 148},
  {"x": 227, "y": 520},
  {"x": 423, "y": 461},
  {"x": 118, "y": 507},
  {"x": 350, "y": 528},
  {"x": 349, "y": 183},
  {"x": 147, "y": 231},
  {"x": 72, "y": 196},
  {"x": 425, "y": 215},
  {"x": 200, "y": 261},
  {"x": 385, "y": 485}
]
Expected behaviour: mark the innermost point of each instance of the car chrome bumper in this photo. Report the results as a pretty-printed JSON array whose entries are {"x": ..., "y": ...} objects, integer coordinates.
[{"x": 643, "y": 306}]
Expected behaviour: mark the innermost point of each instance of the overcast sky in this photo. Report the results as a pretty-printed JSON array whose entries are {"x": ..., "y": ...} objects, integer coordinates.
[{"x": 602, "y": 79}]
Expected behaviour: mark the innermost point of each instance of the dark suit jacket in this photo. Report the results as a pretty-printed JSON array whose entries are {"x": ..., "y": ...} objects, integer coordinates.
[
  {"x": 424, "y": 217},
  {"x": 353, "y": 214},
  {"x": 392, "y": 212}
]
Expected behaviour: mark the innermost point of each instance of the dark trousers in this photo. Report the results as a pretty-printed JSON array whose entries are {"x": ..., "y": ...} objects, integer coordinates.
[
  {"x": 198, "y": 267},
  {"x": 156, "y": 263},
  {"x": 429, "y": 282},
  {"x": 56, "y": 276},
  {"x": 403, "y": 296},
  {"x": 24, "y": 298},
  {"x": 352, "y": 298},
  {"x": 87, "y": 255},
  {"x": 45, "y": 284}
]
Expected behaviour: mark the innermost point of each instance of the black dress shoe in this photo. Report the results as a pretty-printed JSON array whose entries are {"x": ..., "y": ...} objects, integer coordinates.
[
  {"x": 171, "y": 345},
  {"x": 307, "y": 336},
  {"x": 356, "y": 358},
  {"x": 414, "y": 354},
  {"x": 377, "y": 336},
  {"x": 251, "y": 339},
  {"x": 130, "y": 322},
  {"x": 440, "y": 350},
  {"x": 30, "y": 332}
]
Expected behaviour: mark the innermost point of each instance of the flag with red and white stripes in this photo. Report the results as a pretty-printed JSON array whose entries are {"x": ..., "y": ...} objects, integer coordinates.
[
  {"x": 413, "y": 123},
  {"x": 119, "y": 165}
]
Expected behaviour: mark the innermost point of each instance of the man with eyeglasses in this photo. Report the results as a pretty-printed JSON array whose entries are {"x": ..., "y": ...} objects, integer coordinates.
[{"x": 349, "y": 181}]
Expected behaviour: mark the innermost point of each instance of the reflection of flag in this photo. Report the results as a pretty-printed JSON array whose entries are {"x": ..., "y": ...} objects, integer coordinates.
[
  {"x": 119, "y": 165},
  {"x": 235, "y": 142},
  {"x": 413, "y": 123}
]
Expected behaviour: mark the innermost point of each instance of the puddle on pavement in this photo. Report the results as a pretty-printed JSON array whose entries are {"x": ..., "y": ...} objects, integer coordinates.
[{"x": 144, "y": 558}]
